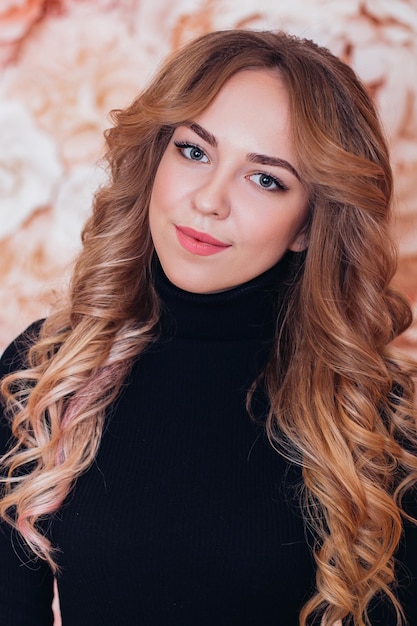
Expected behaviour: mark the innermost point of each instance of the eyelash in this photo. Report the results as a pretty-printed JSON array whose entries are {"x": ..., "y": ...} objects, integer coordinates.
[
  {"x": 183, "y": 145},
  {"x": 279, "y": 185}
]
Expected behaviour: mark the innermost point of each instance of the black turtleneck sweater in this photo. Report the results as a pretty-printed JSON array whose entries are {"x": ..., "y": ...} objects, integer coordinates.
[{"x": 187, "y": 516}]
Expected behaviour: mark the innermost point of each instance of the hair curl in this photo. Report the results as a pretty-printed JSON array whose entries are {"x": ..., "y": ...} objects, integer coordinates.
[{"x": 341, "y": 397}]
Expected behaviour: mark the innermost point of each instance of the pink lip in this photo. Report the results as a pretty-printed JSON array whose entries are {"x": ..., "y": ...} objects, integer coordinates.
[{"x": 199, "y": 243}]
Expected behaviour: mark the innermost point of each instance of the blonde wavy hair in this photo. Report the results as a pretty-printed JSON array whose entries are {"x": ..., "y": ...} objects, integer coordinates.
[{"x": 341, "y": 397}]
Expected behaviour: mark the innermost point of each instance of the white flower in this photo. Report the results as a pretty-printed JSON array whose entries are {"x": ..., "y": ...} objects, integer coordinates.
[
  {"x": 29, "y": 166},
  {"x": 72, "y": 208}
]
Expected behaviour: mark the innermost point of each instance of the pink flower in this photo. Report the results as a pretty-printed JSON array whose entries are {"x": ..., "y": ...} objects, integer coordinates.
[
  {"x": 70, "y": 79},
  {"x": 17, "y": 16}
]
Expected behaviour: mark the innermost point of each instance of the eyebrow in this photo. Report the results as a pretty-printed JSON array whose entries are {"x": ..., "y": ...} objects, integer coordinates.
[
  {"x": 203, "y": 133},
  {"x": 262, "y": 159}
]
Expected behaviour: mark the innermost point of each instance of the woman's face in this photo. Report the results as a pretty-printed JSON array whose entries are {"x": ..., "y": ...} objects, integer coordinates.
[{"x": 227, "y": 201}]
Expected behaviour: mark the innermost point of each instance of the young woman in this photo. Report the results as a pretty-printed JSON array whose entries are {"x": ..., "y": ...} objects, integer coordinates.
[{"x": 216, "y": 430}]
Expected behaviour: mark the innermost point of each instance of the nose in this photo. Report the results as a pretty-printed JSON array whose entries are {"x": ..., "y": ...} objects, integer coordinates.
[{"x": 212, "y": 197}]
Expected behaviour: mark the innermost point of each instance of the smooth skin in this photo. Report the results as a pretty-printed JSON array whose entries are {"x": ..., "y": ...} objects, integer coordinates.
[{"x": 227, "y": 201}]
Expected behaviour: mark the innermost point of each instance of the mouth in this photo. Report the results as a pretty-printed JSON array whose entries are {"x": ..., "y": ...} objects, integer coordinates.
[{"x": 199, "y": 243}]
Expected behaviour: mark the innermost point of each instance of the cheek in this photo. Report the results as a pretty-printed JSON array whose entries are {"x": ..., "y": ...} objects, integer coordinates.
[
  {"x": 158, "y": 190},
  {"x": 267, "y": 229},
  {"x": 169, "y": 187},
  {"x": 269, "y": 236}
]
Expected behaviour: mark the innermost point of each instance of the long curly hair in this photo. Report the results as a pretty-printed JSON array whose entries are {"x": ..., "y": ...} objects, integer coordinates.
[{"x": 341, "y": 397}]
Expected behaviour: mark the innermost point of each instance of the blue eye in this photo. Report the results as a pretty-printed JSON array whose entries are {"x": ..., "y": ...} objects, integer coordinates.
[
  {"x": 268, "y": 182},
  {"x": 191, "y": 151}
]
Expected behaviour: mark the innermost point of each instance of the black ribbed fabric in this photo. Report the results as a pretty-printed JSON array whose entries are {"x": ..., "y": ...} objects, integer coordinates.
[
  {"x": 187, "y": 517},
  {"x": 184, "y": 517}
]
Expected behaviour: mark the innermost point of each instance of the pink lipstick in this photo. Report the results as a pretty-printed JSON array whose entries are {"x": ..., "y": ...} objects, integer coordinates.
[{"x": 199, "y": 243}]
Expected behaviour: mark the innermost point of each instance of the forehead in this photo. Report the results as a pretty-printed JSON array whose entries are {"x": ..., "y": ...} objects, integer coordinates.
[
  {"x": 262, "y": 89},
  {"x": 252, "y": 108}
]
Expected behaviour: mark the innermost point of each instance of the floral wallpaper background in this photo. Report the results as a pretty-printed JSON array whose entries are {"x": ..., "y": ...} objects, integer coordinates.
[{"x": 64, "y": 64}]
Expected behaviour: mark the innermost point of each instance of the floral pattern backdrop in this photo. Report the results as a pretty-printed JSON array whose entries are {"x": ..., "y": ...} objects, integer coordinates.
[{"x": 64, "y": 64}]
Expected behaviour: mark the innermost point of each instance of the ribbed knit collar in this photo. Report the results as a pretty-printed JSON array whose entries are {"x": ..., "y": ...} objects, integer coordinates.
[{"x": 247, "y": 311}]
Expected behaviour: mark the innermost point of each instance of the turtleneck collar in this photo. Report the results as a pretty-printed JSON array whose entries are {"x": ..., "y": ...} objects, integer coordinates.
[{"x": 247, "y": 311}]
